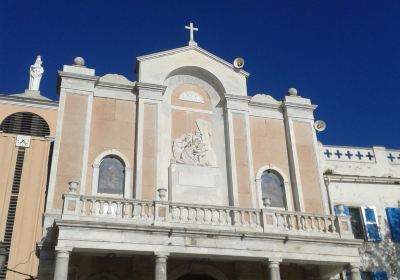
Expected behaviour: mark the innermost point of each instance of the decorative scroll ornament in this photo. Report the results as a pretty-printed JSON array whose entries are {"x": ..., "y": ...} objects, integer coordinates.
[{"x": 195, "y": 148}]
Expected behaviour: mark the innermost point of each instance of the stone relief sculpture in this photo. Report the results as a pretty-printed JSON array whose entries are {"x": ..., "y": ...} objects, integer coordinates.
[
  {"x": 35, "y": 74},
  {"x": 195, "y": 148}
]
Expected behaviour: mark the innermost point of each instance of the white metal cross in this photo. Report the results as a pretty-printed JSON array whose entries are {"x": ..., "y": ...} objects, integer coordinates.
[{"x": 192, "y": 28}]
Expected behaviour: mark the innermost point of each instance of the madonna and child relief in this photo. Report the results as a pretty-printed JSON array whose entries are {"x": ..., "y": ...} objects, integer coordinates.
[{"x": 195, "y": 147}]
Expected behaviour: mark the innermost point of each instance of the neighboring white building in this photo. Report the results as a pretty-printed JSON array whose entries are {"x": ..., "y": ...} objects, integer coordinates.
[{"x": 368, "y": 179}]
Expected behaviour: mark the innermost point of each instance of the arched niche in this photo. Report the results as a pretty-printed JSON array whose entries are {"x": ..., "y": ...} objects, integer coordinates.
[{"x": 196, "y": 269}]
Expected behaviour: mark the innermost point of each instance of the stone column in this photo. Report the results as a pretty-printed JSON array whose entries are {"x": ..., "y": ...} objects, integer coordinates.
[
  {"x": 61, "y": 269},
  {"x": 355, "y": 271},
  {"x": 273, "y": 269},
  {"x": 160, "y": 272}
]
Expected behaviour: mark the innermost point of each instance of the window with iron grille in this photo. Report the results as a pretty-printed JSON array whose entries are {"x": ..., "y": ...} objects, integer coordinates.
[{"x": 25, "y": 123}]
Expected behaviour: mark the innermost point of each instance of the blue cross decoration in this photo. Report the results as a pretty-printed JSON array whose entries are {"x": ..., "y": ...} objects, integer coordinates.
[
  {"x": 398, "y": 157},
  {"x": 391, "y": 157},
  {"x": 348, "y": 154},
  {"x": 327, "y": 153},
  {"x": 359, "y": 155},
  {"x": 338, "y": 153},
  {"x": 369, "y": 156}
]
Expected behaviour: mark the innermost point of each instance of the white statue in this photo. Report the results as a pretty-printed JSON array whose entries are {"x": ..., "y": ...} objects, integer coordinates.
[
  {"x": 195, "y": 148},
  {"x": 35, "y": 74}
]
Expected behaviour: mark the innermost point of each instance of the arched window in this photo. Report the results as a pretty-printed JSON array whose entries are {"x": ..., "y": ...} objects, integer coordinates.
[
  {"x": 111, "y": 176},
  {"x": 25, "y": 123},
  {"x": 273, "y": 189}
]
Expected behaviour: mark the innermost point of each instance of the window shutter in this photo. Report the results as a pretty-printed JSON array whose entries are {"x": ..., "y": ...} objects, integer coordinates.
[
  {"x": 380, "y": 275},
  {"x": 346, "y": 210},
  {"x": 393, "y": 215},
  {"x": 371, "y": 223}
]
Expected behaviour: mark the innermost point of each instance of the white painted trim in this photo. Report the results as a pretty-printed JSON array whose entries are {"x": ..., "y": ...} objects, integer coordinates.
[
  {"x": 158, "y": 151},
  {"x": 191, "y": 109},
  {"x": 119, "y": 95},
  {"x": 318, "y": 161},
  {"x": 250, "y": 163},
  {"x": 86, "y": 141},
  {"x": 231, "y": 156},
  {"x": 294, "y": 165},
  {"x": 128, "y": 172},
  {"x": 24, "y": 103},
  {"x": 286, "y": 183},
  {"x": 56, "y": 152},
  {"x": 139, "y": 149}
]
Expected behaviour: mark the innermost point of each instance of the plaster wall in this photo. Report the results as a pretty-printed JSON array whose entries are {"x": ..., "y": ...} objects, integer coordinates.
[
  {"x": 71, "y": 145},
  {"x": 269, "y": 144},
  {"x": 149, "y": 161},
  {"x": 242, "y": 164},
  {"x": 112, "y": 127},
  {"x": 308, "y": 167},
  {"x": 28, "y": 219}
]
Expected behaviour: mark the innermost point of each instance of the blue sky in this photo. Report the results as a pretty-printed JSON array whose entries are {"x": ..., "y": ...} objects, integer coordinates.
[{"x": 343, "y": 55}]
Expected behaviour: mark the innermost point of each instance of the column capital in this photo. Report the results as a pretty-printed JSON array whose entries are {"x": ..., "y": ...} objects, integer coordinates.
[
  {"x": 354, "y": 266},
  {"x": 63, "y": 252},
  {"x": 161, "y": 256}
]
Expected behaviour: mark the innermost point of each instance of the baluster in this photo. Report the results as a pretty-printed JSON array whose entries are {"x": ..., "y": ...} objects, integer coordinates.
[
  {"x": 333, "y": 228},
  {"x": 326, "y": 224},
  {"x": 181, "y": 218},
  {"x": 119, "y": 210},
  {"x": 220, "y": 215},
  {"x": 134, "y": 210},
  {"x": 125, "y": 209},
  {"x": 228, "y": 213},
  {"x": 92, "y": 207},
  {"x": 319, "y": 224},
  {"x": 83, "y": 206},
  {"x": 312, "y": 225},
  {"x": 151, "y": 211},
  {"x": 101, "y": 208},
  {"x": 285, "y": 221},
  {"x": 197, "y": 215},
  {"x": 142, "y": 210},
  {"x": 290, "y": 221},
  {"x": 258, "y": 219},
  {"x": 109, "y": 208},
  {"x": 298, "y": 223}
]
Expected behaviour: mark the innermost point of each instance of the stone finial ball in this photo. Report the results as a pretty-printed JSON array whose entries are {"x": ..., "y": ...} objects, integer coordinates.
[
  {"x": 292, "y": 92},
  {"x": 79, "y": 61}
]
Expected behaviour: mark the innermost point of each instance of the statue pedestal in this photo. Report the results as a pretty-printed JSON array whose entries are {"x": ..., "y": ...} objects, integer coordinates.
[{"x": 194, "y": 184}]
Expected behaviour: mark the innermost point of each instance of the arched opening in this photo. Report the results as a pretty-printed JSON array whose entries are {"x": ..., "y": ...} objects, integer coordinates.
[
  {"x": 111, "y": 176},
  {"x": 25, "y": 123},
  {"x": 273, "y": 189},
  {"x": 195, "y": 277}
]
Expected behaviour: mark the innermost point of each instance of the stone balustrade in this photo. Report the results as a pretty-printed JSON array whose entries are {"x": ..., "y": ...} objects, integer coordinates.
[{"x": 204, "y": 217}]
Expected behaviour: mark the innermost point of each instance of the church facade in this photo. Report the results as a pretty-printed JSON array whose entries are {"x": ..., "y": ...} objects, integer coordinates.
[{"x": 183, "y": 175}]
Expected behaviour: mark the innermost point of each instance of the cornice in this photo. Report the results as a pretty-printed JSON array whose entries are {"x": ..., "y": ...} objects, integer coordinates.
[
  {"x": 77, "y": 76},
  {"x": 361, "y": 179},
  {"x": 29, "y": 102},
  {"x": 195, "y": 48}
]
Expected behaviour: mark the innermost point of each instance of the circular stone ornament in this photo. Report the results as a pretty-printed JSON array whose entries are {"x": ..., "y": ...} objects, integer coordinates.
[
  {"x": 292, "y": 92},
  {"x": 79, "y": 61}
]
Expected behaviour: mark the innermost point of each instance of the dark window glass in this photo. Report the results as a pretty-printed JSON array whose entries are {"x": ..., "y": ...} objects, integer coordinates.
[
  {"x": 111, "y": 176},
  {"x": 356, "y": 223},
  {"x": 272, "y": 187}
]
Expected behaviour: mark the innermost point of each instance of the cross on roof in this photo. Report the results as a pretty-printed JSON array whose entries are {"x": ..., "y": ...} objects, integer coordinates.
[
  {"x": 391, "y": 157},
  {"x": 192, "y": 29},
  {"x": 359, "y": 155}
]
